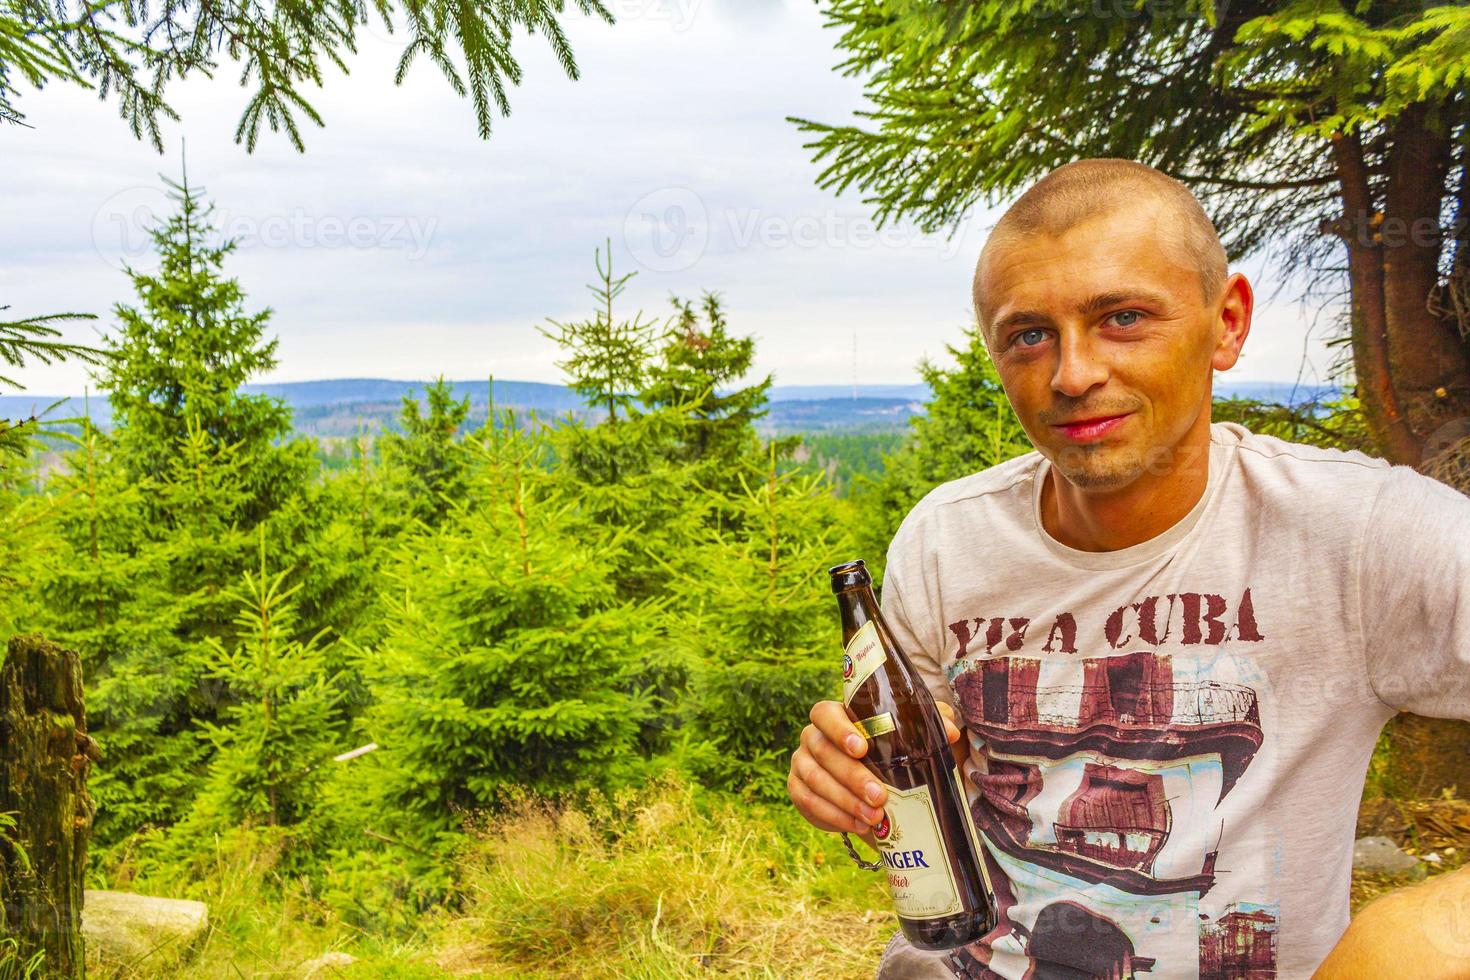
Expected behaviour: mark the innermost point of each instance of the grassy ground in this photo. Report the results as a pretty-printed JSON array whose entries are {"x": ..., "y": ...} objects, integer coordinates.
[
  {"x": 685, "y": 885},
  {"x": 671, "y": 882}
]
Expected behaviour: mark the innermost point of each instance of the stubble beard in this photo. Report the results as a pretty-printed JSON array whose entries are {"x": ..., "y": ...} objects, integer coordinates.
[{"x": 1099, "y": 468}]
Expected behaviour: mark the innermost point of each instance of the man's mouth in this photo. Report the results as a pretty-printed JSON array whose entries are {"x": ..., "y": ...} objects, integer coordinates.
[{"x": 1087, "y": 430}]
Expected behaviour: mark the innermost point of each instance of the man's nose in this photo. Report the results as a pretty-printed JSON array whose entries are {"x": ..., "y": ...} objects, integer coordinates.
[{"x": 1079, "y": 369}]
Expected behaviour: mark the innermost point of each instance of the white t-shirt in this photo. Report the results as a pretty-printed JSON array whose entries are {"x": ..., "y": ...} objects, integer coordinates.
[{"x": 1168, "y": 742}]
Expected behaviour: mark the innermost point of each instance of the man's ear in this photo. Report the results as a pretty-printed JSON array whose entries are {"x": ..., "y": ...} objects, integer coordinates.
[{"x": 1232, "y": 322}]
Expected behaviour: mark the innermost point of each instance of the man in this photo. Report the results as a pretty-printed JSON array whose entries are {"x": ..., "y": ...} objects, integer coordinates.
[{"x": 1171, "y": 644}]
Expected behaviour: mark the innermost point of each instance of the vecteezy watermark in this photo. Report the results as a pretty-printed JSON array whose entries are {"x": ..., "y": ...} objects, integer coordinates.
[
  {"x": 670, "y": 229},
  {"x": 678, "y": 14},
  {"x": 122, "y": 227},
  {"x": 1375, "y": 230},
  {"x": 667, "y": 230}
]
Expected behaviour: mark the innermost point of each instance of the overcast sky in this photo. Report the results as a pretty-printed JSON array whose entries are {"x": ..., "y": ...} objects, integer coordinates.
[{"x": 403, "y": 246}]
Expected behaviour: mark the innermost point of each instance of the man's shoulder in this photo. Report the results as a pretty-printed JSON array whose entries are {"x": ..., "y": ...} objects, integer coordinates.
[
  {"x": 1295, "y": 481},
  {"x": 1011, "y": 479},
  {"x": 1292, "y": 475},
  {"x": 1263, "y": 450}
]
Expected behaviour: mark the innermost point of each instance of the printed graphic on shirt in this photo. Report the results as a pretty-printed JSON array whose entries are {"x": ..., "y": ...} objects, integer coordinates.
[{"x": 1102, "y": 778}]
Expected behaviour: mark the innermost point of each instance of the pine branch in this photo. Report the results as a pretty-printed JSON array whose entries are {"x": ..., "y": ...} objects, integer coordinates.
[
  {"x": 133, "y": 52},
  {"x": 33, "y": 338}
]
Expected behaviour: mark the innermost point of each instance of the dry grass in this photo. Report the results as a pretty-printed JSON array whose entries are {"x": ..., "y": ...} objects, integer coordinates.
[
  {"x": 667, "y": 882},
  {"x": 657, "y": 885}
]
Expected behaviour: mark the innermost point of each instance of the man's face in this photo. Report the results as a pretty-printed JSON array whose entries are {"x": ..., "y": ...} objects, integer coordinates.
[{"x": 1107, "y": 321}]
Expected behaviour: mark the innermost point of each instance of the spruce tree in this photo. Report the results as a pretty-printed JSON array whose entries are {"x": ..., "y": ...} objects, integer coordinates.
[
  {"x": 173, "y": 497},
  {"x": 25, "y": 540},
  {"x": 278, "y": 729},
  {"x": 103, "y": 574},
  {"x": 179, "y": 357},
  {"x": 607, "y": 359},
  {"x": 137, "y": 605},
  {"x": 620, "y": 462},
  {"x": 425, "y": 463},
  {"x": 759, "y": 613},
  {"x": 967, "y": 426},
  {"x": 697, "y": 366},
  {"x": 508, "y": 657}
]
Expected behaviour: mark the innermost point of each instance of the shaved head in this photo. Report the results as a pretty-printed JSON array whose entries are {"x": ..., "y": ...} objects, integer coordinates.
[{"x": 1087, "y": 189}]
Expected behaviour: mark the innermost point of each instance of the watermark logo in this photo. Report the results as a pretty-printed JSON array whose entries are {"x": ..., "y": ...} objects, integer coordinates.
[
  {"x": 679, "y": 15},
  {"x": 123, "y": 227},
  {"x": 667, "y": 230},
  {"x": 671, "y": 229},
  {"x": 1447, "y": 435}
]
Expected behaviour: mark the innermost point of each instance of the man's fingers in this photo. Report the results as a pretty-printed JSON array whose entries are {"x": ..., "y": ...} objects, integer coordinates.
[
  {"x": 830, "y": 718},
  {"x": 847, "y": 771},
  {"x": 825, "y": 785},
  {"x": 819, "y": 812},
  {"x": 951, "y": 730}
]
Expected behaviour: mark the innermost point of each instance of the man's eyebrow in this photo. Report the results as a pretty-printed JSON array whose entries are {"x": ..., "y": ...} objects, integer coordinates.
[
  {"x": 1103, "y": 301},
  {"x": 1021, "y": 318},
  {"x": 1093, "y": 304}
]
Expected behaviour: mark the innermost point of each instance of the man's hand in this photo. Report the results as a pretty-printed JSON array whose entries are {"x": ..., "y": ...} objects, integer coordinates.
[{"x": 831, "y": 788}]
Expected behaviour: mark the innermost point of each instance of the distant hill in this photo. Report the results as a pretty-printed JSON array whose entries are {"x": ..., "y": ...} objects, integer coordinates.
[{"x": 341, "y": 407}]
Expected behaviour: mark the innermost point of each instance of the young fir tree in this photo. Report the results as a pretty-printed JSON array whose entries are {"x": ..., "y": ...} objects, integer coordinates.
[
  {"x": 136, "y": 604},
  {"x": 105, "y": 595},
  {"x": 203, "y": 466},
  {"x": 180, "y": 356},
  {"x": 280, "y": 725},
  {"x": 103, "y": 562},
  {"x": 508, "y": 658},
  {"x": 425, "y": 463},
  {"x": 23, "y": 524},
  {"x": 968, "y": 425},
  {"x": 607, "y": 359},
  {"x": 759, "y": 612},
  {"x": 25, "y": 541},
  {"x": 368, "y": 526},
  {"x": 697, "y": 364},
  {"x": 622, "y": 465}
]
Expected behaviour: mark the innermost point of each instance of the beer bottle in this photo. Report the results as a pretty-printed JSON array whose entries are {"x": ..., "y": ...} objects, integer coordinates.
[{"x": 926, "y": 838}]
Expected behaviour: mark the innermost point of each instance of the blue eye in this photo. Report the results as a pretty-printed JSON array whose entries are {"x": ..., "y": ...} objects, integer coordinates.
[
  {"x": 1132, "y": 316},
  {"x": 1039, "y": 334}
]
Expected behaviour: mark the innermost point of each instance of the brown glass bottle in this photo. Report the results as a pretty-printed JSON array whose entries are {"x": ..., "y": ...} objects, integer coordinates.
[{"x": 927, "y": 837}]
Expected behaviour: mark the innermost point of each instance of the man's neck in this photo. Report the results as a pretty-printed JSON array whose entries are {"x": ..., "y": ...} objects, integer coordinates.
[{"x": 1146, "y": 508}]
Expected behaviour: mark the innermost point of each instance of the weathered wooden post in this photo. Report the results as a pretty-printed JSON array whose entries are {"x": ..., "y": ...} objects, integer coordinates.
[{"x": 45, "y": 755}]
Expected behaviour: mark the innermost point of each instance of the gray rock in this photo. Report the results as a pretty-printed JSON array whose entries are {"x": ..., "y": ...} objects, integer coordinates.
[
  {"x": 1381, "y": 856},
  {"x": 326, "y": 965},
  {"x": 127, "y": 929}
]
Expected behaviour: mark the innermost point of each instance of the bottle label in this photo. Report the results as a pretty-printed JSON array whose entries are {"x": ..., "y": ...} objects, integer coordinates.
[
  {"x": 913, "y": 851},
  {"x": 863, "y": 655}
]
